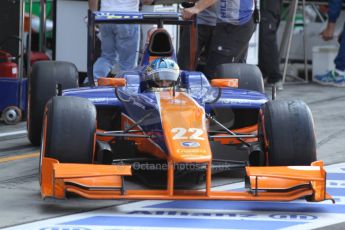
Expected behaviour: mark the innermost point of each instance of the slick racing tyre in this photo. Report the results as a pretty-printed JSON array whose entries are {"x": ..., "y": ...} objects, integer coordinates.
[
  {"x": 286, "y": 132},
  {"x": 69, "y": 130},
  {"x": 249, "y": 76},
  {"x": 46, "y": 75}
]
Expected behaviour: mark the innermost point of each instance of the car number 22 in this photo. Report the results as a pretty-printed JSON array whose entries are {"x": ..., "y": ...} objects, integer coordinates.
[{"x": 187, "y": 134}]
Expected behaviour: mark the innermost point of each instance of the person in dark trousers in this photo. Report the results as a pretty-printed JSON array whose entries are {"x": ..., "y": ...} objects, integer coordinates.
[
  {"x": 335, "y": 77},
  {"x": 206, "y": 22},
  {"x": 235, "y": 26},
  {"x": 268, "y": 48}
]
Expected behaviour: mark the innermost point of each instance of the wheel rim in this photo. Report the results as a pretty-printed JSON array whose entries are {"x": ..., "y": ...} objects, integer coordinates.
[{"x": 12, "y": 115}]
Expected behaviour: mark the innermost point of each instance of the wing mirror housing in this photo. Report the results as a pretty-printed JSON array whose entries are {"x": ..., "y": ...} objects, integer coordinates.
[
  {"x": 225, "y": 83},
  {"x": 114, "y": 82}
]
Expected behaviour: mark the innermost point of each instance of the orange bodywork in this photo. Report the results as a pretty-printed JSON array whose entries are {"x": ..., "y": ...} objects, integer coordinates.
[
  {"x": 143, "y": 144},
  {"x": 313, "y": 176},
  {"x": 183, "y": 123},
  {"x": 115, "y": 82},
  {"x": 248, "y": 130},
  {"x": 277, "y": 183},
  {"x": 56, "y": 177},
  {"x": 225, "y": 83}
]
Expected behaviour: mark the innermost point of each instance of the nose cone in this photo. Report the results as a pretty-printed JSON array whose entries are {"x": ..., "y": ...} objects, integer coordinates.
[{"x": 184, "y": 127}]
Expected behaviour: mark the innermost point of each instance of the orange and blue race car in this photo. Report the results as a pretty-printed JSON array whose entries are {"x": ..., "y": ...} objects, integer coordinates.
[{"x": 176, "y": 120}]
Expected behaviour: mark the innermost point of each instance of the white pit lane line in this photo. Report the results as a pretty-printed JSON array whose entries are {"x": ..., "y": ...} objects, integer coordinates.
[
  {"x": 14, "y": 133},
  {"x": 192, "y": 215}
]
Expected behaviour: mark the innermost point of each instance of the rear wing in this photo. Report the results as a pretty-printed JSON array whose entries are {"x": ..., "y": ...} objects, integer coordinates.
[{"x": 115, "y": 17}]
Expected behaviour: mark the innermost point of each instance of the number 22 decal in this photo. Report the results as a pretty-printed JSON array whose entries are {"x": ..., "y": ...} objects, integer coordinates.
[{"x": 191, "y": 134}]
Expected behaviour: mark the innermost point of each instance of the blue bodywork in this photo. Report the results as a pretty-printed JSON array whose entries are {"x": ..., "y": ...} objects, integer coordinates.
[
  {"x": 195, "y": 83},
  {"x": 143, "y": 103}
]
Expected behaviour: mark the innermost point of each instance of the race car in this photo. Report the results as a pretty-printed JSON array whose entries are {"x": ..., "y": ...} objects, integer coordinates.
[{"x": 92, "y": 136}]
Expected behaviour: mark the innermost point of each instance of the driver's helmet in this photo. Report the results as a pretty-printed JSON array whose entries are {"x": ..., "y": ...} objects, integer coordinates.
[{"x": 162, "y": 73}]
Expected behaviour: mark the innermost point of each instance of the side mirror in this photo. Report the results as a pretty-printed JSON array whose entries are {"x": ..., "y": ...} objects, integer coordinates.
[
  {"x": 225, "y": 83},
  {"x": 114, "y": 82}
]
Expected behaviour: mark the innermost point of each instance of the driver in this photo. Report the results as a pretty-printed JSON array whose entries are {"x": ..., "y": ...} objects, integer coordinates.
[{"x": 162, "y": 73}]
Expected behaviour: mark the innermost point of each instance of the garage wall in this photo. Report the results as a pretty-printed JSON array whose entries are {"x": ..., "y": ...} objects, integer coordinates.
[{"x": 71, "y": 33}]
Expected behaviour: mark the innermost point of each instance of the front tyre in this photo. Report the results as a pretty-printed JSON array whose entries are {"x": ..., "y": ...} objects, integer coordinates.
[
  {"x": 286, "y": 132},
  {"x": 69, "y": 130}
]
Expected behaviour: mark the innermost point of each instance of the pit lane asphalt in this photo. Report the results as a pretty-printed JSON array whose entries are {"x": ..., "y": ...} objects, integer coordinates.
[{"x": 20, "y": 200}]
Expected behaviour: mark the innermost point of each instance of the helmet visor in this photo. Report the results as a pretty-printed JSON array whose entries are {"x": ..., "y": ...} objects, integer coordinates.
[{"x": 165, "y": 75}]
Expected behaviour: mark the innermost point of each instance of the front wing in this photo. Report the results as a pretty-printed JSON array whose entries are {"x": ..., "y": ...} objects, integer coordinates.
[{"x": 277, "y": 183}]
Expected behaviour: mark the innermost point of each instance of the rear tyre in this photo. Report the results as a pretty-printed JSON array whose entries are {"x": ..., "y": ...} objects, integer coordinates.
[
  {"x": 250, "y": 76},
  {"x": 46, "y": 75},
  {"x": 69, "y": 130},
  {"x": 286, "y": 132}
]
